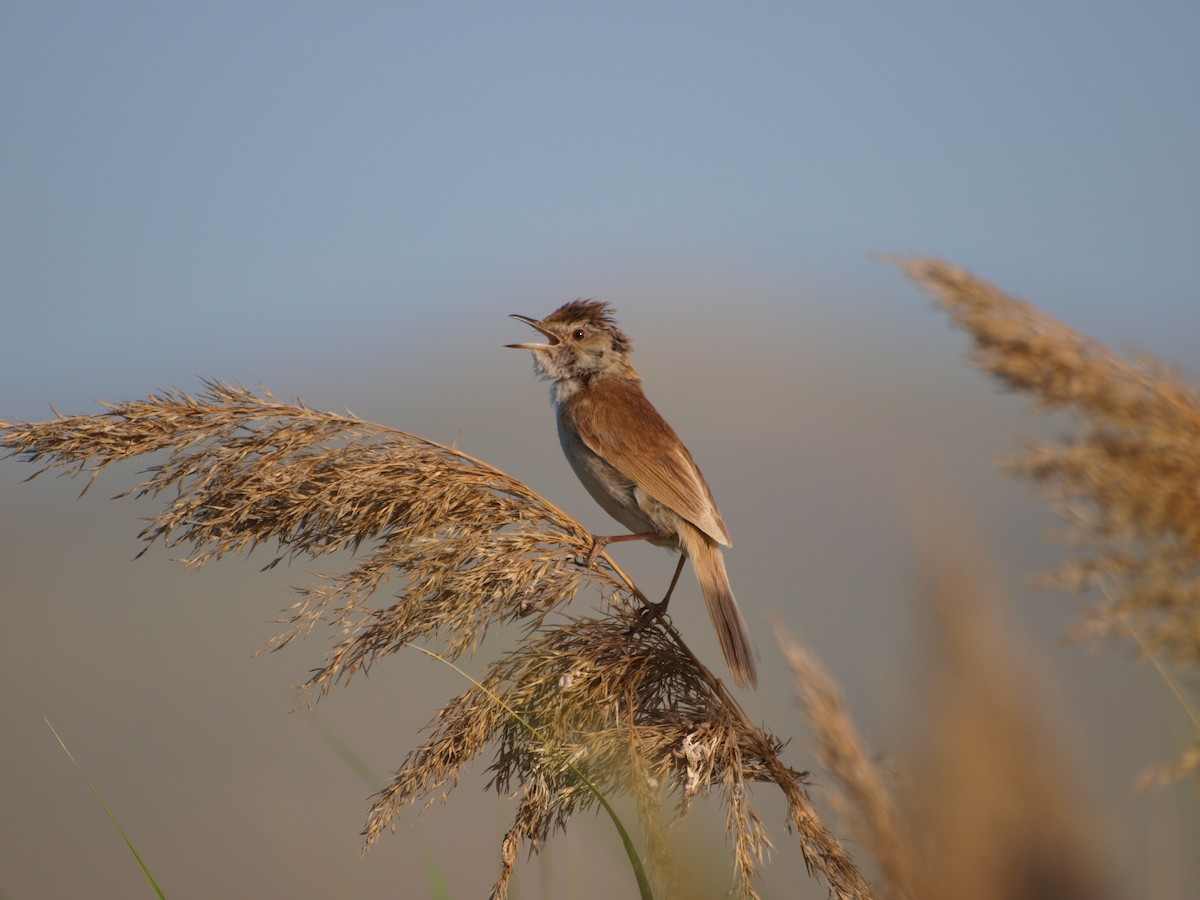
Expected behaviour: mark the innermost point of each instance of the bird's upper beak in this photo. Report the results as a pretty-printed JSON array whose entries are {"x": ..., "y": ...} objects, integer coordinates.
[{"x": 533, "y": 323}]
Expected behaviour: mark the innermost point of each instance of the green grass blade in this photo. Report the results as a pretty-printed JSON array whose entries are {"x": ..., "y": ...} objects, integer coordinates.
[
  {"x": 112, "y": 818},
  {"x": 435, "y": 880},
  {"x": 347, "y": 754}
]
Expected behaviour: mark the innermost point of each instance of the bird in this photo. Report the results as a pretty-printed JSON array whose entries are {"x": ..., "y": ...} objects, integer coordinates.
[{"x": 632, "y": 463}]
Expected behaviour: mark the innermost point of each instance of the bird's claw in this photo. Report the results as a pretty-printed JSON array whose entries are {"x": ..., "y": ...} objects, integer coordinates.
[
  {"x": 648, "y": 615},
  {"x": 598, "y": 545}
]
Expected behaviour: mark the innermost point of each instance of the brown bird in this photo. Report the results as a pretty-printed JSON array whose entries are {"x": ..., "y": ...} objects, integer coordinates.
[{"x": 632, "y": 462}]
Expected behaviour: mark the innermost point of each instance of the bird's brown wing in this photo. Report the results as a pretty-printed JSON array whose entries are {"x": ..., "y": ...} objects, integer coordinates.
[{"x": 627, "y": 432}]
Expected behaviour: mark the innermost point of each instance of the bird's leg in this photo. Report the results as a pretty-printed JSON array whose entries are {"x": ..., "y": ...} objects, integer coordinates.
[
  {"x": 655, "y": 611},
  {"x": 599, "y": 542}
]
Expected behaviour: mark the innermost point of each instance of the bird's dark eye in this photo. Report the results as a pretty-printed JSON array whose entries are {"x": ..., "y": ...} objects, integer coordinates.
[{"x": 579, "y": 334}]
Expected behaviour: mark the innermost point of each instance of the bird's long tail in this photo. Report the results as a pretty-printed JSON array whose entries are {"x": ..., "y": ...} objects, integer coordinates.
[{"x": 727, "y": 619}]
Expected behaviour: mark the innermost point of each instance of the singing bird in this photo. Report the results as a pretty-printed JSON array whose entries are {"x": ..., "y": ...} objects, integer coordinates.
[{"x": 632, "y": 462}]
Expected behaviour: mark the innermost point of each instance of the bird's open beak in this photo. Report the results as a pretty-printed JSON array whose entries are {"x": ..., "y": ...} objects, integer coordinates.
[{"x": 533, "y": 323}]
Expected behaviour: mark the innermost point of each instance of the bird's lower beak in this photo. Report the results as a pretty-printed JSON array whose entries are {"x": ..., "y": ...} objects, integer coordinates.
[{"x": 533, "y": 323}]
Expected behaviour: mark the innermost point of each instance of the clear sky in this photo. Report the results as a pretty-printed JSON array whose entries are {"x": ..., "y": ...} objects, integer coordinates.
[
  {"x": 344, "y": 202},
  {"x": 188, "y": 184}
]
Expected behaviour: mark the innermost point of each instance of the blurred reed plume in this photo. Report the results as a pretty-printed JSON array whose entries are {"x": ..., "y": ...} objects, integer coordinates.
[
  {"x": 861, "y": 793},
  {"x": 462, "y": 548},
  {"x": 988, "y": 808},
  {"x": 1127, "y": 482}
]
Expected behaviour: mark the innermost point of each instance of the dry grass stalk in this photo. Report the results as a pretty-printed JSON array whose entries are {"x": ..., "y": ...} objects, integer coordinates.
[
  {"x": 1127, "y": 482},
  {"x": 864, "y": 799},
  {"x": 461, "y": 547}
]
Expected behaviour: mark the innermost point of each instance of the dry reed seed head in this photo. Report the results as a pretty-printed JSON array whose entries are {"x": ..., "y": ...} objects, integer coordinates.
[
  {"x": 464, "y": 547},
  {"x": 582, "y": 699},
  {"x": 469, "y": 545},
  {"x": 615, "y": 685},
  {"x": 1033, "y": 351},
  {"x": 508, "y": 863},
  {"x": 862, "y": 798},
  {"x": 1127, "y": 484}
]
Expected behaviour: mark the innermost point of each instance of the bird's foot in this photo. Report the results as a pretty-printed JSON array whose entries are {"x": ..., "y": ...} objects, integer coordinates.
[
  {"x": 599, "y": 542},
  {"x": 649, "y": 614}
]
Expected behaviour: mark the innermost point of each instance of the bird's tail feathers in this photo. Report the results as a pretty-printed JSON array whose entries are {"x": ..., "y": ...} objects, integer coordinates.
[{"x": 723, "y": 609}]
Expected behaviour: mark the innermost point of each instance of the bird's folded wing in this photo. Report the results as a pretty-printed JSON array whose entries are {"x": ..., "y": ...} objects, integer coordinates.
[{"x": 629, "y": 434}]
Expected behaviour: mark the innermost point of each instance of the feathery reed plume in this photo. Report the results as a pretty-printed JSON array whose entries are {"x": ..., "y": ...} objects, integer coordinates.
[
  {"x": 462, "y": 547},
  {"x": 865, "y": 801},
  {"x": 475, "y": 547},
  {"x": 1125, "y": 482},
  {"x": 996, "y": 816},
  {"x": 999, "y": 813},
  {"x": 585, "y": 693}
]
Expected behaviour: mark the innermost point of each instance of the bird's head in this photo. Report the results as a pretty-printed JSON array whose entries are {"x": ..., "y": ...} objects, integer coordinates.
[{"x": 582, "y": 342}]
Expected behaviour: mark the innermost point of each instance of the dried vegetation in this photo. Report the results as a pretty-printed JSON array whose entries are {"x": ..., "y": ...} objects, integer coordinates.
[
  {"x": 989, "y": 808},
  {"x": 446, "y": 548},
  {"x": 1126, "y": 482}
]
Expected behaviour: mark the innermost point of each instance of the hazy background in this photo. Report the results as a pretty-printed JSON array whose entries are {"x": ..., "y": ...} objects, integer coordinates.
[{"x": 344, "y": 206}]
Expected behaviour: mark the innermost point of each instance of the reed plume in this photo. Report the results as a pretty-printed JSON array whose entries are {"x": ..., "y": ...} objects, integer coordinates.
[
  {"x": 861, "y": 795},
  {"x": 988, "y": 807},
  {"x": 1126, "y": 481},
  {"x": 999, "y": 811},
  {"x": 612, "y": 701}
]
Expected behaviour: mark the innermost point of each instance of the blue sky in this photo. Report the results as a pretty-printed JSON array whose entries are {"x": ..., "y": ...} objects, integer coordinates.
[
  {"x": 344, "y": 203},
  {"x": 196, "y": 183}
]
